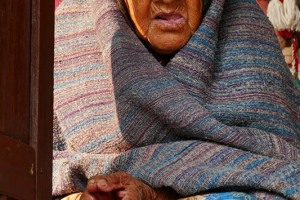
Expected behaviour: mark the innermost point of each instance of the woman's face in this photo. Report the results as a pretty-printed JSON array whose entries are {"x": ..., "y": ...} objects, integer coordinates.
[{"x": 166, "y": 25}]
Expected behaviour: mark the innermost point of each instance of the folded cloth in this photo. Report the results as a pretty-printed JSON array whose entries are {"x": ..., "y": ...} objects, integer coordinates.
[{"x": 223, "y": 114}]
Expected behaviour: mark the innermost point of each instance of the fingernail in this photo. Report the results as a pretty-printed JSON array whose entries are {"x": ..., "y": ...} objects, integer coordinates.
[
  {"x": 101, "y": 182},
  {"x": 91, "y": 181}
]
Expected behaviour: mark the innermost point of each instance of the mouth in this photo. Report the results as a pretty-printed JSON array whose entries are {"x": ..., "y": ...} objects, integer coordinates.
[{"x": 169, "y": 20}]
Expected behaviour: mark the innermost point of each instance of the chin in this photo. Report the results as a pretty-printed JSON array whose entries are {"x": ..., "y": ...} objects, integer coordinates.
[
  {"x": 165, "y": 51},
  {"x": 166, "y": 47},
  {"x": 167, "y": 43}
]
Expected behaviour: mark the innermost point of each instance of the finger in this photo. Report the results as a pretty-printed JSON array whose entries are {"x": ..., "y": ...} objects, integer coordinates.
[
  {"x": 109, "y": 182},
  {"x": 96, "y": 196},
  {"x": 92, "y": 185},
  {"x": 134, "y": 193},
  {"x": 120, "y": 194}
]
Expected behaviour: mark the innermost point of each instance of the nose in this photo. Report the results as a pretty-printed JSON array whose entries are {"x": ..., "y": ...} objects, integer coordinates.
[{"x": 168, "y": 5}]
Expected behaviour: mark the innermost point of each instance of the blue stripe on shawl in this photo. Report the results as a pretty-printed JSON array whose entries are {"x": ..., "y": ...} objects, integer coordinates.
[
  {"x": 78, "y": 70},
  {"x": 86, "y": 122},
  {"x": 74, "y": 82}
]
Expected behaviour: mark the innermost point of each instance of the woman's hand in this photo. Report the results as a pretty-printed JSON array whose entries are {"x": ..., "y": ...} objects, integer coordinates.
[{"x": 122, "y": 186}]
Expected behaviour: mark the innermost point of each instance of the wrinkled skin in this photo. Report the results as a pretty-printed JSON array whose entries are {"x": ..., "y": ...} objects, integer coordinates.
[
  {"x": 166, "y": 25},
  {"x": 122, "y": 186}
]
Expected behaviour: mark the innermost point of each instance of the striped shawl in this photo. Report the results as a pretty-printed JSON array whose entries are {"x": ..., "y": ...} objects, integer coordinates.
[{"x": 223, "y": 114}]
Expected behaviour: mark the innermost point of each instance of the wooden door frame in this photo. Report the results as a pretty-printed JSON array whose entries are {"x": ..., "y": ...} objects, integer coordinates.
[{"x": 26, "y": 98}]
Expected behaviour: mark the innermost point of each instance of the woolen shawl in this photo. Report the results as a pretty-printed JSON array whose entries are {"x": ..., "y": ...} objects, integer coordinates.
[{"x": 223, "y": 114}]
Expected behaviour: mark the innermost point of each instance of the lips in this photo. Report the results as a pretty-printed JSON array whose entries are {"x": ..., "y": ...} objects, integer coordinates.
[{"x": 169, "y": 20}]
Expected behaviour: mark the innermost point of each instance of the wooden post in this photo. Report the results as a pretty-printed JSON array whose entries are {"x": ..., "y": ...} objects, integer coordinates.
[{"x": 41, "y": 126}]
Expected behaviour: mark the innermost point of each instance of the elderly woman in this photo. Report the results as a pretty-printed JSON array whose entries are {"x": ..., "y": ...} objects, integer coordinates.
[{"x": 162, "y": 99}]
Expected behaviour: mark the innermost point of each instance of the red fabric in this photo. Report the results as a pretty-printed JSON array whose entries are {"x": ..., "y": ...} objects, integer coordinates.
[
  {"x": 295, "y": 48},
  {"x": 263, "y": 4},
  {"x": 286, "y": 34},
  {"x": 57, "y": 2}
]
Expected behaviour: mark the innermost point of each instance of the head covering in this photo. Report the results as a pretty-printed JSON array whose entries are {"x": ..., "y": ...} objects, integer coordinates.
[{"x": 222, "y": 114}]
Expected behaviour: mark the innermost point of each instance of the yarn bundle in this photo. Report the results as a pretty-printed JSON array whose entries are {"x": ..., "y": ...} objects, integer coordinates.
[{"x": 285, "y": 17}]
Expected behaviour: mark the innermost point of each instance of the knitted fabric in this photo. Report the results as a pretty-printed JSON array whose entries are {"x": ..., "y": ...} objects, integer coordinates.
[{"x": 223, "y": 114}]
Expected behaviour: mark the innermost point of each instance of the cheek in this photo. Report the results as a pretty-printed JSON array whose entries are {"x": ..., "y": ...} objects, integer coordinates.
[
  {"x": 140, "y": 15},
  {"x": 142, "y": 24},
  {"x": 195, "y": 13}
]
